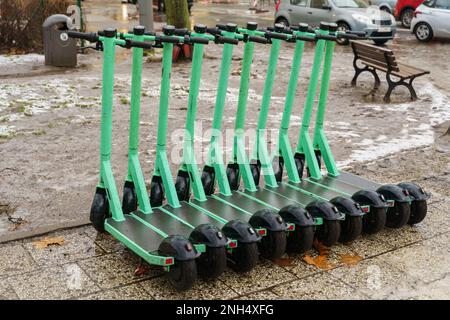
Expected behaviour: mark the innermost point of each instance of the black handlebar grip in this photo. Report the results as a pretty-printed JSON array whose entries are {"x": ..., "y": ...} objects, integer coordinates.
[
  {"x": 325, "y": 37},
  {"x": 89, "y": 36},
  {"x": 181, "y": 32},
  {"x": 198, "y": 40},
  {"x": 221, "y": 26},
  {"x": 357, "y": 33},
  {"x": 227, "y": 40},
  {"x": 168, "y": 39},
  {"x": 276, "y": 35},
  {"x": 139, "y": 44},
  {"x": 347, "y": 36},
  {"x": 214, "y": 31},
  {"x": 305, "y": 38},
  {"x": 257, "y": 39},
  {"x": 150, "y": 33}
]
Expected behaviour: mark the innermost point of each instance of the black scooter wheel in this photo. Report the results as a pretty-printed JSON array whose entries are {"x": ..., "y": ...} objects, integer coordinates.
[
  {"x": 208, "y": 182},
  {"x": 99, "y": 210},
  {"x": 398, "y": 215},
  {"x": 351, "y": 228},
  {"x": 374, "y": 220},
  {"x": 182, "y": 185},
  {"x": 244, "y": 258},
  {"x": 273, "y": 245},
  {"x": 329, "y": 232},
  {"x": 212, "y": 263},
  {"x": 256, "y": 172},
  {"x": 233, "y": 176},
  {"x": 129, "y": 199},
  {"x": 156, "y": 192},
  {"x": 418, "y": 211},
  {"x": 300, "y": 240},
  {"x": 300, "y": 164},
  {"x": 183, "y": 274},
  {"x": 277, "y": 165}
]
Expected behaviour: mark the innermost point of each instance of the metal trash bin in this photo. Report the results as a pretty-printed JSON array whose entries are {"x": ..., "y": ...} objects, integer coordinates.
[{"x": 59, "y": 49}]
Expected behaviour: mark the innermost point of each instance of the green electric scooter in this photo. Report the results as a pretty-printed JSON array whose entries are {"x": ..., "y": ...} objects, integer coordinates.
[{"x": 175, "y": 253}]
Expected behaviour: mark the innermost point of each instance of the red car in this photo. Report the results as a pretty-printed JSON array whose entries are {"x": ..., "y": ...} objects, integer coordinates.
[{"x": 404, "y": 11}]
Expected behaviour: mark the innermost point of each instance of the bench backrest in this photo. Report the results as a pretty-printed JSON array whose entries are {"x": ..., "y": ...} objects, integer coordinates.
[{"x": 373, "y": 55}]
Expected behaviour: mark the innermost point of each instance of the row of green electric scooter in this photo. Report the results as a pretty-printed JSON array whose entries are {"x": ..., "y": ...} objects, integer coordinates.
[{"x": 203, "y": 232}]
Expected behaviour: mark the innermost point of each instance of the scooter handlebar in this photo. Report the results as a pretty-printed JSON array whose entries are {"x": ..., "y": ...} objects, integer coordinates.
[
  {"x": 325, "y": 37},
  {"x": 89, "y": 36},
  {"x": 220, "y": 39},
  {"x": 348, "y": 36},
  {"x": 305, "y": 38},
  {"x": 257, "y": 39},
  {"x": 168, "y": 39},
  {"x": 276, "y": 35},
  {"x": 214, "y": 31},
  {"x": 196, "y": 40},
  {"x": 181, "y": 32},
  {"x": 357, "y": 33},
  {"x": 138, "y": 44}
]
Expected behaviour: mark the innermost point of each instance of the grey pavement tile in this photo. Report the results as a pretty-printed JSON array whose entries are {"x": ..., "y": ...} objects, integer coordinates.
[
  {"x": 116, "y": 269},
  {"x": 366, "y": 246},
  {"x": 264, "y": 275},
  {"x": 436, "y": 290},
  {"x": 401, "y": 237},
  {"x": 76, "y": 246},
  {"x": 58, "y": 282},
  {"x": 374, "y": 277},
  {"x": 6, "y": 291},
  {"x": 104, "y": 240},
  {"x": 437, "y": 220},
  {"x": 299, "y": 267},
  {"x": 318, "y": 287},
  {"x": 131, "y": 292},
  {"x": 160, "y": 288},
  {"x": 261, "y": 295},
  {"x": 15, "y": 259}
]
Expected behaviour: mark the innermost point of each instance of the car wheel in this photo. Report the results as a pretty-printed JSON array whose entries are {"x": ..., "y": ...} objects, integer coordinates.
[
  {"x": 283, "y": 21},
  {"x": 406, "y": 17},
  {"x": 423, "y": 32},
  {"x": 342, "y": 26}
]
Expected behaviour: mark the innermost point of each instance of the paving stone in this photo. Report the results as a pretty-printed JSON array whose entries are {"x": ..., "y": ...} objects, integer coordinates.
[
  {"x": 130, "y": 292},
  {"x": 104, "y": 240},
  {"x": 365, "y": 246},
  {"x": 6, "y": 291},
  {"x": 15, "y": 259},
  {"x": 59, "y": 282}
]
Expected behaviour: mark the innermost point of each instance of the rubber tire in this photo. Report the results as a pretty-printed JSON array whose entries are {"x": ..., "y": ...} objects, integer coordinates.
[
  {"x": 256, "y": 173},
  {"x": 99, "y": 211},
  {"x": 183, "y": 274},
  {"x": 273, "y": 245},
  {"x": 182, "y": 186},
  {"x": 380, "y": 42},
  {"x": 129, "y": 200},
  {"x": 278, "y": 167},
  {"x": 404, "y": 12},
  {"x": 300, "y": 240},
  {"x": 398, "y": 215},
  {"x": 418, "y": 211},
  {"x": 244, "y": 258},
  {"x": 156, "y": 194},
  {"x": 374, "y": 220},
  {"x": 341, "y": 27},
  {"x": 233, "y": 177},
  {"x": 300, "y": 165},
  {"x": 430, "y": 35},
  {"x": 329, "y": 232},
  {"x": 212, "y": 263},
  {"x": 283, "y": 21},
  {"x": 208, "y": 182},
  {"x": 351, "y": 228}
]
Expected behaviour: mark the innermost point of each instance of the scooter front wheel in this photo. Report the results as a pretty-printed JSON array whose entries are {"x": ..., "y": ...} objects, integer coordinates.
[
  {"x": 99, "y": 210},
  {"x": 183, "y": 274},
  {"x": 351, "y": 228},
  {"x": 374, "y": 220},
  {"x": 244, "y": 258},
  {"x": 418, "y": 211},
  {"x": 273, "y": 245},
  {"x": 300, "y": 240},
  {"x": 329, "y": 232},
  {"x": 398, "y": 215},
  {"x": 212, "y": 263}
]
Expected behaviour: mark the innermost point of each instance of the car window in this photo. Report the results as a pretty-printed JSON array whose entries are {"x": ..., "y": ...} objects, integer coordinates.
[
  {"x": 301, "y": 3},
  {"x": 350, "y": 4},
  {"x": 318, "y": 4},
  {"x": 442, "y": 4}
]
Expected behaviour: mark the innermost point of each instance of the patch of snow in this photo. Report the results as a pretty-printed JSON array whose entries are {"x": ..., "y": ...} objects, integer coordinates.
[{"x": 21, "y": 59}]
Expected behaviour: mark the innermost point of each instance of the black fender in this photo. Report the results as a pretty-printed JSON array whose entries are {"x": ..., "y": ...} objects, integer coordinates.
[
  {"x": 324, "y": 209},
  {"x": 208, "y": 235},
  {"x": 371, "y": 198},
  {"x": 393, "y": 192},
  {"x": 268, "y": 219},
  {"x": 416, "y": 192},
  {"x": 241, "y": 231},
  {"x": 297, "y": 215},
  {"x": 347, "y": 206},
  {"x": 178, "y": 247}
]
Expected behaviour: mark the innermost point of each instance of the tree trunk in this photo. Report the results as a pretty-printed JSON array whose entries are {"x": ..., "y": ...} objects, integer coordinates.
[{"x": 177, "y": 13}]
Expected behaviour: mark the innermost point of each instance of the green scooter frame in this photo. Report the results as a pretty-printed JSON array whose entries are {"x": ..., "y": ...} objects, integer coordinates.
[{"x": 174, "y": 252}]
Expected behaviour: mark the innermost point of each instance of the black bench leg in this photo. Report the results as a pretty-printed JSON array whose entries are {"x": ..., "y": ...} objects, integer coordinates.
[
  {"x": 411, "y": 89},
  {"x": 358, "y": 71},
  {"x": 377, "y": 80},
  {"x": 391, "y": 86}
]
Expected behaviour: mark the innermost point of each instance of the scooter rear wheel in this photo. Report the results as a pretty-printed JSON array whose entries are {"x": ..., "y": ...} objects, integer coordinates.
[
  {"x": 182, "y": 185},
  {"x": 256, "y": 172},
  {"x": 183, "y": 274},
  {"x": 351, "y": 228},
  {"x": 300, "y": 240},
  {"x": 212, "y": 263},
  {"x": 99, "y": 210},
  {"x": 329, "y": 232},
  {"x": 374, "y": 220},
  {"x": 398, "y": 215},
  {"x": 418, "y": 211},
  {"x": 208, "y": 181},
  {"x": 244, "y": 258},
  {"x": 273, "y": 245},
  {"x": 233, "y": 176}
]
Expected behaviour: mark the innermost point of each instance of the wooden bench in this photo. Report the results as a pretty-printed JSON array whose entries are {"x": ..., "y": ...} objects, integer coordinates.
[{"x": 375, "y": 58}]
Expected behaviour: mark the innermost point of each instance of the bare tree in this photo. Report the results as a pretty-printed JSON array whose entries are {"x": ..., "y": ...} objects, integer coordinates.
[{"x": 177, "y": 13}]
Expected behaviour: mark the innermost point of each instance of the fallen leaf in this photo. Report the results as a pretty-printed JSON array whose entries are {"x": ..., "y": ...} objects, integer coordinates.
[
  {"x": 323, "y": 249},
  {"x": 48, "y": 241},
  {"x": 350, "y": 259},
  {"x": 284, "y": 262},
  {"x": 320, "y": 262}
]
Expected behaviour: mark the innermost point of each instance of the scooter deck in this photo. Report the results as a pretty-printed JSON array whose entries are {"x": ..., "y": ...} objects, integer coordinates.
[
  {"x": 221, "y": 209},
  {"x": 165, "y": 222},
  {"x": 244, "y": 202},
  {"x": 136, "y": 232},
  {"x": 192, "y": 215},
  {"x": 308, "y": 186},
  {"x": 356, "y": 180},
  {"x": 344, "y": 185},
  {"x": 280, "y": 198}
]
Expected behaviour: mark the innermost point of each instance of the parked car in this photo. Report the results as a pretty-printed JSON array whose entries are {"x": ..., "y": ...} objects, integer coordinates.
[
  {"x": 404, "y": 11},
  {"x": 160, "y": 4},
  {"x": 431, "y": 20},
  {"x": 348, "y": 14},
  {"x": 385, "y": 5}
]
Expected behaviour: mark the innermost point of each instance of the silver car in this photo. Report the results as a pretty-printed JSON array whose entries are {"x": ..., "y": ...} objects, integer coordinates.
[
  {"x": 431, "y": 20},
  {"x": 385, "y": 5},
  {"x": 352, "y": 15}
]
